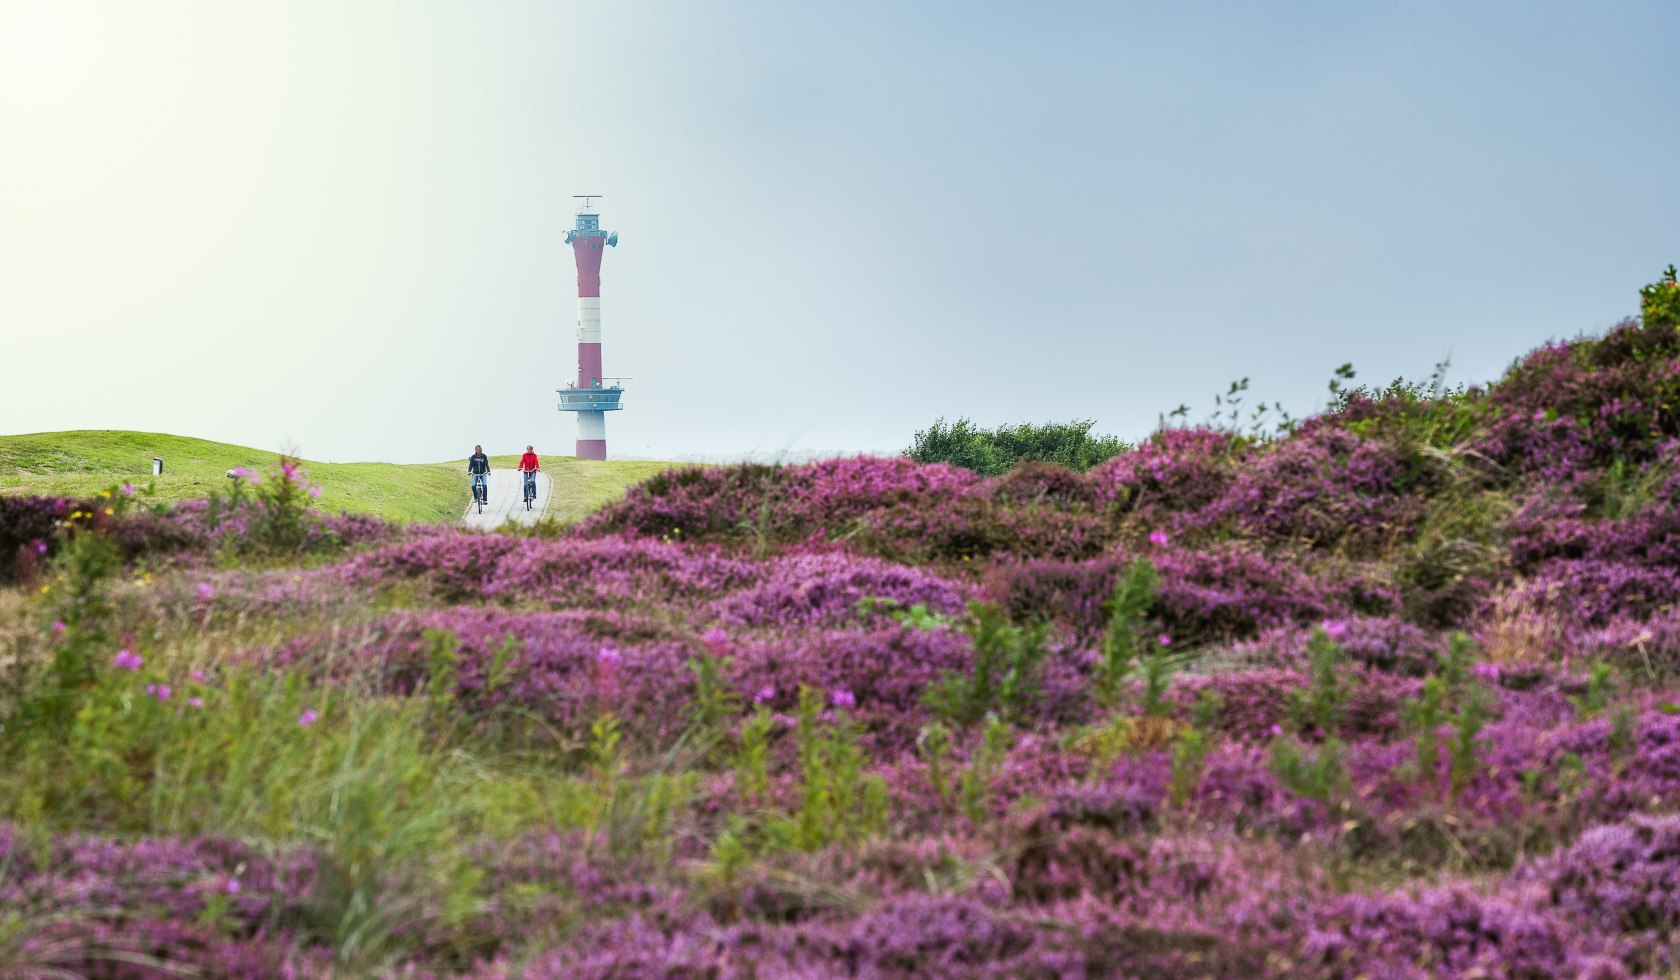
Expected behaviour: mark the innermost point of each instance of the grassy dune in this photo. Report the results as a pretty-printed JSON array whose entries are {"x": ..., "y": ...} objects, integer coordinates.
[{"x": 82, "y": 462}]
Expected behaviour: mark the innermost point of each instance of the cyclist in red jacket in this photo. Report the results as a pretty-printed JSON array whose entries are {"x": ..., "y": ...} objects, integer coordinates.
[{"x": 528, "y": 466}]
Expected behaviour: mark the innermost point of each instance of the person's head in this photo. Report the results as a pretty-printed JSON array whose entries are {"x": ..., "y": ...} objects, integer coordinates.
[
  {"x": 477, "y": 450},
  {"x": 529, "y": 449}
]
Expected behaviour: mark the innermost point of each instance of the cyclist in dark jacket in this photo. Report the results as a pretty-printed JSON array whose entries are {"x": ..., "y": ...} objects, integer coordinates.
[{"x": 478, "y": 465}]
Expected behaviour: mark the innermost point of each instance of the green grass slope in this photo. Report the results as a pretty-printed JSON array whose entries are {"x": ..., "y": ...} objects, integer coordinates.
[
  {"x": 83, "y": 462},
  {"x": 582, "y": 485}
]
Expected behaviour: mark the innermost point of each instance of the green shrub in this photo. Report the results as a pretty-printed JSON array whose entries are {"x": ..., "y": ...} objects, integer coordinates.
[
  {"x": 1659, "y": 302},
  {"x": 994, "y": 452}
]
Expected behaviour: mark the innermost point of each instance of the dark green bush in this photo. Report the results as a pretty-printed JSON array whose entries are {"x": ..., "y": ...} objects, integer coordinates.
[{"x": 996, "y": 451}]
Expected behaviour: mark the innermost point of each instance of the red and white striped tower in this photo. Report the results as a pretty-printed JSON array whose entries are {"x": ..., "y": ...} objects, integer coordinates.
[{"x": 590, "y": 396}]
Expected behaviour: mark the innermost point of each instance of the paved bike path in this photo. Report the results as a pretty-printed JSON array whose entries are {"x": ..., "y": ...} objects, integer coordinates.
[{"x": 507, "y": 499}]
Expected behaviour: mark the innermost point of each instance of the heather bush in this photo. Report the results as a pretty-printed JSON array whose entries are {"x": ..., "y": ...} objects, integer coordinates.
[
  {"x": 29, "y": 533},
  {"x": 1043, "y": 485},
  {"x": 1174, "y": 471},
  {"x": 1595, "y": 400},
  {"x": 1323, "y": 487},
  {"x": 1453, "y": 931},
  {"x": 779, "y": 503},
  {"x": 1621, "y": 879},
  {"x": 825, "y": 589},
  {"x": 1209, "y": 708},
  {"x": 1227, "y": 592}
]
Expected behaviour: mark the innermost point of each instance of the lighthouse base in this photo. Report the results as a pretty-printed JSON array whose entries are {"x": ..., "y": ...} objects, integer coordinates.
[{"x": 591, "y": 435}]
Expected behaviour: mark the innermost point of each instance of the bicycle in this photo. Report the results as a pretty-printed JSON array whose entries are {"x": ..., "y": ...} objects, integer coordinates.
[
  {"x": 481, "y": 489},
  {"x": 530, "y": 488}
]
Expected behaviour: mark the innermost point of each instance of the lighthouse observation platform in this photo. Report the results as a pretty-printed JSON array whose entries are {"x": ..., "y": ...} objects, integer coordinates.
[{"x": 573, "y": 399}]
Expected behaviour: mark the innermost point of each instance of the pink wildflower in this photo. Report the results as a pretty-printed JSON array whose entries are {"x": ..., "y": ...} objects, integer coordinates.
[
  {"x": 1277, "y": 730},
  {"x": 39, "y": 546},
  {"x": 127, "y": 660},
  {"x": 1158, "y": 538},
  {"x": 159, "y": 691},
  {"x": 765, "y": 693},
  {"x": 58, "y": 627},
  {"x": 128, "y": 489},
  {"x": 842, "y": 698},
  {"x": 233, "y": 886},
  {"x": 1335, "y": 629},
  {"x": 1487, "y": 672},
  {"x": 308, "y": 718},
  {"x": 195, "y": 702},
  {"x": 1164, "y": 640},
  {"x": 314, "y": 491},
  {"x": 206, "y": 591},
  {"x": 196, "y": 675}
]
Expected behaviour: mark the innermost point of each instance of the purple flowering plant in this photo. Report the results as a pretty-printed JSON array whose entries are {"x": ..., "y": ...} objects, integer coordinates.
[{"x": 1390, "y": 693}]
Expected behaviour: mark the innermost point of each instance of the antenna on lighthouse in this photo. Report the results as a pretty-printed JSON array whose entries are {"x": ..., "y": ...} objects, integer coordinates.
[{"x": 586, "y": 199}]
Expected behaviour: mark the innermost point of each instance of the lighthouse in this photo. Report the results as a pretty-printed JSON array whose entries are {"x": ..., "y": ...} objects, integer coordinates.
[{"x": 590, "y": 396}]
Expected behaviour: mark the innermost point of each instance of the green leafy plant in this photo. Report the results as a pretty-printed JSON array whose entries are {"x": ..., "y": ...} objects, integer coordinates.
[
  {"x": 1600, "y": 686},
  {"x": 752, "y": 761},
  {"x": 1127, "y": 632},
  {"x": 715, "y": 701},
  {"x": 974, "y": 785},
  {"x": 1659, "y": 302},
  {"x": 1426, "y": 715},
  {"x": 1316, "y": 774},
  {"x": 917, "y": 616},
  {"x": 1465, "y": 745},
  {"x": 933, "y": 744},
  {"x": 1189, "y": 758},
  {"x": 1320, "y": 707},
  {"x": 442, "y": 656},
  {"x": 1008, "y": 660},
  {"x": 837, "y": 801},
  {"x": 78, "y": 605}
]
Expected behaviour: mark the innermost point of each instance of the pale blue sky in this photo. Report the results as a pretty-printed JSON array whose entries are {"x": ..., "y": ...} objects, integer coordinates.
[{"x": 340, "y": 226}]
